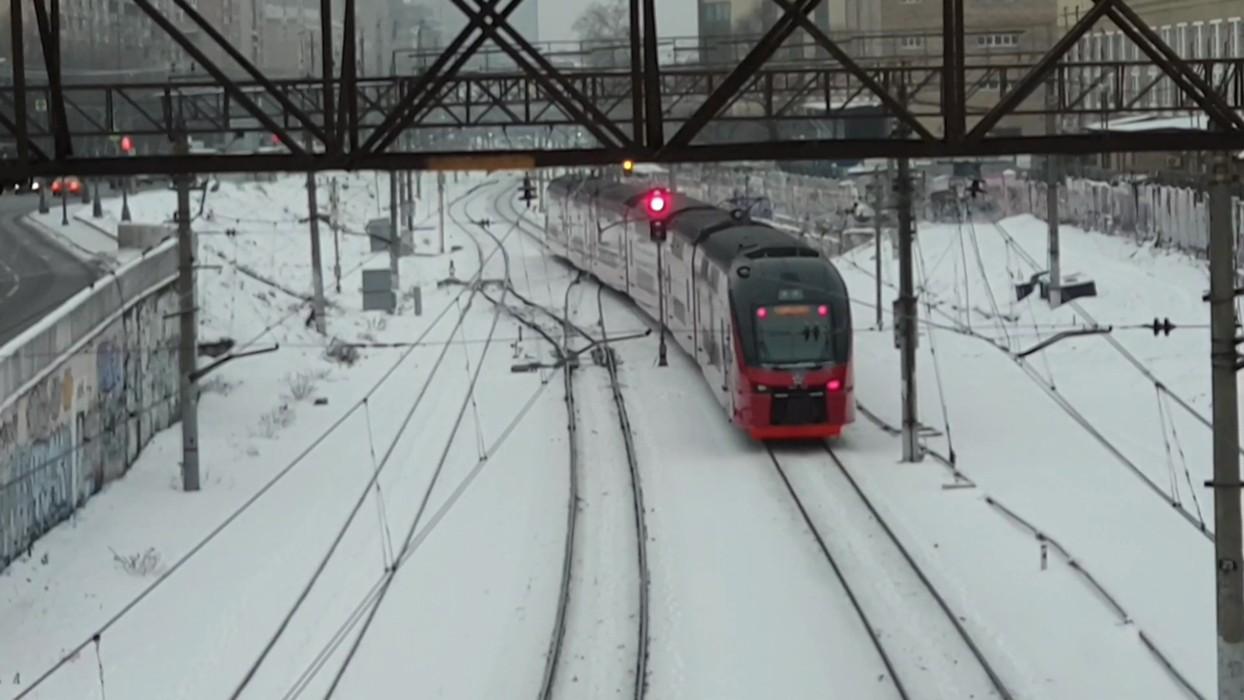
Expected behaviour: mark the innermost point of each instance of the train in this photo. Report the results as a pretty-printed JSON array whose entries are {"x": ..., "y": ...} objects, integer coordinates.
[{"x": 765, "y": 316}]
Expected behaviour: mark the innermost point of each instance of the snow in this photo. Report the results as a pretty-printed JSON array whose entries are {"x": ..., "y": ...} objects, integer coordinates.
[
  {"x": 1024, "y": 450},
  {"x": 742, "y": 602}
]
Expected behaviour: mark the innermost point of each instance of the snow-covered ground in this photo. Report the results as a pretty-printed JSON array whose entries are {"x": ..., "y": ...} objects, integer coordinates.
[
  {"x": 1015, "y": 436},
  {"x": 473, "y": 465}
]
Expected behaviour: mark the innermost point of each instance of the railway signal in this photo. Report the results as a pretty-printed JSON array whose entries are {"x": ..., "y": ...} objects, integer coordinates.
[
  {"x": 528, "y": 193},
  {"x": 628, "y": 167},
  {"x": 127, "y": 144},
  {"x": 658, "y": 205}
]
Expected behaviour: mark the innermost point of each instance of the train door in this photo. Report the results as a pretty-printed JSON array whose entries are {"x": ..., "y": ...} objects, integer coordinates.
[
  {"x": 703, "y": 313},
  {"x": 719, "y": 323},
  {"x": 728, "y": 365}
]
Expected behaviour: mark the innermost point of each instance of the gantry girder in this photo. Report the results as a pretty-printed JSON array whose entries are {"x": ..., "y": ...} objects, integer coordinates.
[{"x": 646, "y": 111}]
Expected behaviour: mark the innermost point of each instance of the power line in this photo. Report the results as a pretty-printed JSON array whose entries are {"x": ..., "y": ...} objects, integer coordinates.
[
  {"x": 279, "y": 476},
  {"x": 374, "y": 480}
]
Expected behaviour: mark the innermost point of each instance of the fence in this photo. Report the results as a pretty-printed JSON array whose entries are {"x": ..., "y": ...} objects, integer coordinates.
[{"x": 1167, "y": 215}]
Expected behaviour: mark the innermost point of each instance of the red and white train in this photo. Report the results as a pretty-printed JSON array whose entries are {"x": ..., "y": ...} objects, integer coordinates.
[{"x": 766, "y": 316}]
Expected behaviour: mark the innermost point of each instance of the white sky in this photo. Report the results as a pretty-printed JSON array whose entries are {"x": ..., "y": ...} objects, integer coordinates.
[{"x": 674, "y": 17}]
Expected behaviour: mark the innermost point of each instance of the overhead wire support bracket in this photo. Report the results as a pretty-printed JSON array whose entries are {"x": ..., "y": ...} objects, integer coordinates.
[
  {"x": 1063, "y": 335},
  {"x": 204, "y": 371}
]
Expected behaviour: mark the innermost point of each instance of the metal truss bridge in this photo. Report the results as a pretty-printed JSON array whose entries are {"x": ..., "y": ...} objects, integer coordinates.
[{"x": 759, "y": 109}]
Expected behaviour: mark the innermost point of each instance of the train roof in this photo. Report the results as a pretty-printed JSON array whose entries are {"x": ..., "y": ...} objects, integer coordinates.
[{"x": 719, "y": 235}]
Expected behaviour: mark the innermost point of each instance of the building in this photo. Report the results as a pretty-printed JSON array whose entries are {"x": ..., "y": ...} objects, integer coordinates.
[
  {"x": 425, "y": 25},
  {"x": 288, "y": 39},
  {"x": 728, "y": 28},
  {"x": 1195, "y": 29},
  {"x": 114, "y": 39},
  {"x": 997, "y": 34}
]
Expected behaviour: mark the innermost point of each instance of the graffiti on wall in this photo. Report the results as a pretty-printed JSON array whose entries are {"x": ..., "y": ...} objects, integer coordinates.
[
  {"x": 85, "y": 423},
  {"x": 151, "y": 347}
]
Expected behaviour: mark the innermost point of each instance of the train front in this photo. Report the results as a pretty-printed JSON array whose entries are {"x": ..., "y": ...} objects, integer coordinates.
[{"x": 793, "y": 320}]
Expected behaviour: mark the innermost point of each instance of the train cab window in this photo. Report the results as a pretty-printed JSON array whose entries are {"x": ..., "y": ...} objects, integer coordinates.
[{"x": 794, "y": 334}]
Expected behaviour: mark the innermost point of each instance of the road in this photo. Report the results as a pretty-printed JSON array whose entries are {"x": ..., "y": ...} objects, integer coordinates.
[{"x": 36, "y": 275}]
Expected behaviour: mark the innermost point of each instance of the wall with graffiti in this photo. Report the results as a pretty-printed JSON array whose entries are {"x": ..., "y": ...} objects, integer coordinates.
[{"x": 85, "y": 421}]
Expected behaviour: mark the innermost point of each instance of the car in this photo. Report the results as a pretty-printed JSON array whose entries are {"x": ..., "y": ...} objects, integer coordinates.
[{"x": 68, "y": 183}]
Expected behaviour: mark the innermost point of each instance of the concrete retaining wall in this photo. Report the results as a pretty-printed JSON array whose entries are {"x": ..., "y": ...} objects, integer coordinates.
[{"x": 83, "y": 392}]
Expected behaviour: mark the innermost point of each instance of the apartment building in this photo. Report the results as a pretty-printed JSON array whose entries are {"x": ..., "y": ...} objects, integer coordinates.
[
  {"x": 1195, "y": 29},
  {"x": 728, "y": 28},
  {"x": 426, "y": 25},
  {"x": 289, "y": 39},
  {"x": 114, "y": 39},
  {"x": 997, "y": 34},
  {"x": 912, "y": 28}
]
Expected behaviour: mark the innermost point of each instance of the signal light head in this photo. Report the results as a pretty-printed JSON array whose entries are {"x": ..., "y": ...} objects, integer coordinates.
[
  {"x": 658, "y": 203},
  {"x": 628, "y": 165},
  {"x": 127, "y": 144}
]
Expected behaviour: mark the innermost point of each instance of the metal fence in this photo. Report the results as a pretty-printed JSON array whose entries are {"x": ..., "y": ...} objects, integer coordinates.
[{"x": 1172, "y": 216}]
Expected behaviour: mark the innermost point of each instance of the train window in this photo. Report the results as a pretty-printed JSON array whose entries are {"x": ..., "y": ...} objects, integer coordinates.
[
  {"x": 794, "y": 334},
  {"x": 704, "y": 268}
]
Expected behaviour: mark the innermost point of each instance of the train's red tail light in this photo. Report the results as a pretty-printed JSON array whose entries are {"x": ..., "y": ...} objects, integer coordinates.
[
  {"x": 75, "y": 187},
  {"x": 833, "y": 384},
  {"x": 762, "y": 312},
  {"x": 56, "y": 187},
  {"x": 822, "y": 310}
]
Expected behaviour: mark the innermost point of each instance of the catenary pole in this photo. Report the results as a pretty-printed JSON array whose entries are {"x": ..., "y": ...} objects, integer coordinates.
[
  {"x": 318, "y": 306},
  {"x": 1052, "y": 177},
  {"x": 1227, "y": 536},
  {"x": 395, "y": 240},
  {"x": 188, "y": 344},
  {"x": 907, "y": 320}
]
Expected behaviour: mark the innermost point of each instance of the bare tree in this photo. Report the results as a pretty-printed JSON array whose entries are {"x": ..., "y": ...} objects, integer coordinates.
[{"x": 604, "y": 28}]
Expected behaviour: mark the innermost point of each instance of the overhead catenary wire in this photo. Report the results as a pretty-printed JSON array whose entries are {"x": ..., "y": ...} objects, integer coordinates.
[
  {"x": 245, "y": 506},
  {"x": 336, "y": 542},
  {"x": 411, "y": 533}
]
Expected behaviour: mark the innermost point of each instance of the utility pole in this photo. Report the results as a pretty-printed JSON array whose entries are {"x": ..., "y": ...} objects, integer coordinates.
[
  {"x": 879, "y": 206},
  {"x": 395, "y": 240},
  {"x": 662, "y": 360},
  {"x": 318, "y": 307},
  {"x": 906, "y": 317},
  {"x": 409, "y": 209},
  {"x": 1224, "y": 360},
  {"x": 440, "y": 194},
  {"x": 1051, "y": 201},
  {"x": 188, "y": 346},
  {"x": 334, "y": 219}
]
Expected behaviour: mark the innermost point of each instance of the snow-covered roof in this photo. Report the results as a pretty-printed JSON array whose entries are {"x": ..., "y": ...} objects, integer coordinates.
[
  {"x": 1195, "y": 122},
  {"x": 836, "y": 104}
]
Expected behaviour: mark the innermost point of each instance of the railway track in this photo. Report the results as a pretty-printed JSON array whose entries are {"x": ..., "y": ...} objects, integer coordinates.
[
  {"x": 920, "y": 639},
  {"x": 604, "y": 356},
  {"x": 637, "y": 493}
]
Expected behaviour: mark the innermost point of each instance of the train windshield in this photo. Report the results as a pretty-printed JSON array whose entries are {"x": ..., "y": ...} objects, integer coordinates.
[{"x": 790, "y": 335}]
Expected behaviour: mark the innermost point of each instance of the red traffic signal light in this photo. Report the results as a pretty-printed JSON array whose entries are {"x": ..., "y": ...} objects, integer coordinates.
[
  {"x": 658, "y": 204},
  {"x": 126, "y": 144}
]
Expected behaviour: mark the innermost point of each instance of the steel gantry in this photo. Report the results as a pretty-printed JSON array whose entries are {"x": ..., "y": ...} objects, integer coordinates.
[{"x": 645, "y": 111}]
